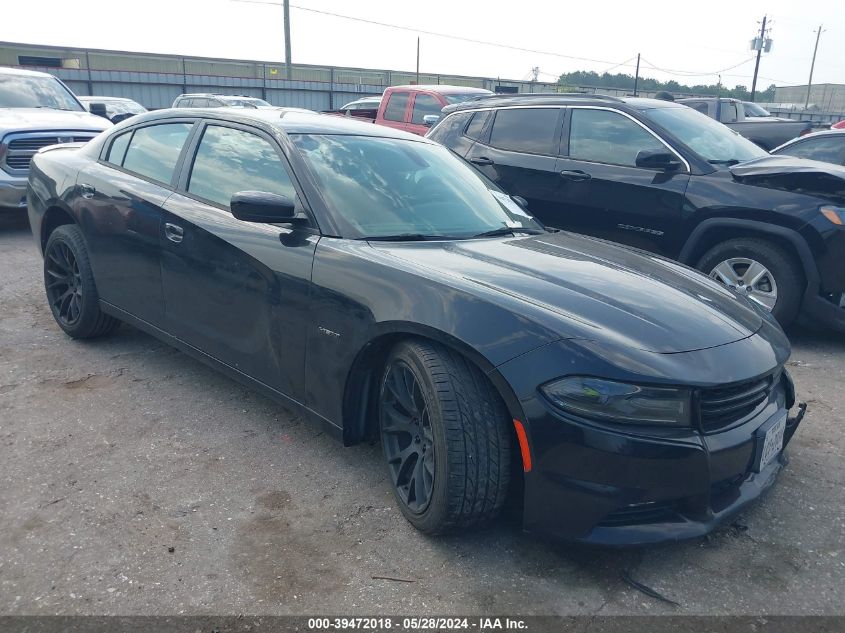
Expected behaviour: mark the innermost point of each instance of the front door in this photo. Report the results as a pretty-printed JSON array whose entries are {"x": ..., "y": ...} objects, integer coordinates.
[
  {"x": 238, "y": 291},
  {"x": 603, "y": 192}
]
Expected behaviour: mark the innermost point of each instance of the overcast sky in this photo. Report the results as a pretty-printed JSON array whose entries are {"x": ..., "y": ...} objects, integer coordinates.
[{"x": 692, "y": 41}]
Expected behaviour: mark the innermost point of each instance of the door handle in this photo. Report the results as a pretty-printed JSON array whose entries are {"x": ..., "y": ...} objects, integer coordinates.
[
  {"x": 575, "y": 174},
  {"x": 481, "y": 160},
  {"x": 87, "y": 191},
  {"x": 173, "y": 233}
]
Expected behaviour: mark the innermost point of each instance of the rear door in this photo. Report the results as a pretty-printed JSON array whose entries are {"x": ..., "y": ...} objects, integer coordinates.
[
  {"x": 236, "y": 290},
  {"x": 602, "y": 191},
  {"x": 121, "y": 202},
  {"x": 423, "y": 104},
  {"x": 519, "y": 153}
]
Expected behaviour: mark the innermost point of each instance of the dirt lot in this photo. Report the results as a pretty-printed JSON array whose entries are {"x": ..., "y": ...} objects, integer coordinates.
[{"x": 134, "y": 480}]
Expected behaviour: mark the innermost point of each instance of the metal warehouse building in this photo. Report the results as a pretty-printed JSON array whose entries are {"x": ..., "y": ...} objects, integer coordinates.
[
  {"x": 156, "y": 80},
  {"x": 827, "y": 97}
]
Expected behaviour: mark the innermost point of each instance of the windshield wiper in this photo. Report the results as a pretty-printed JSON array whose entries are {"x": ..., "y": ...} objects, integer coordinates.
[
  {"x": 405, "y": 237},
  {"x": 507, "y": 230},
  {"x": 726, "y": 161}
]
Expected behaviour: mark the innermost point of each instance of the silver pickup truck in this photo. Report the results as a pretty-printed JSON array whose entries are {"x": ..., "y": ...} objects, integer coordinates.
[
  {"x": 36, "y": 110},
  {"x": 766, "y": 131}
]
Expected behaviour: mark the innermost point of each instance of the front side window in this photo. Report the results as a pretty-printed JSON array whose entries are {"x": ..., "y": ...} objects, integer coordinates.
[
  {"x": 396, "y": 105},
  {"x": 530, "y": 130},
  {"x": 424, "y": 105},
  {"x": 449, "y": 130},
  {"x": 602, "y": 136},
  {"x": 154, "y": 150},
  {"x": 476, "y": 126},
  {"x": 381, "y": 187},
  {"x": 230, "y": 160},
  {"x": 829, "y": 149},
  {"x": 729, "y": 112}
]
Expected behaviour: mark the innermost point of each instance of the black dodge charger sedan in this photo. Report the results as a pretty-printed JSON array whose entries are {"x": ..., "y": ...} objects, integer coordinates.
[{"x": 378, "y": 284}]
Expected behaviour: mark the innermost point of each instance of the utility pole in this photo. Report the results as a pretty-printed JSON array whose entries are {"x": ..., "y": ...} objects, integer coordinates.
[
  {"x": 812, "y": 66},
  {"x": 637, "y": 75},
  {"x": 287, "y": 38},
  {"x": 759, "y": 46},
  {"x": 418, "y": 60}
]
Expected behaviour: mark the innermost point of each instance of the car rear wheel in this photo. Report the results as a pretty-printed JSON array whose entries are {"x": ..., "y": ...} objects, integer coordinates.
[
  {"x": 768, "y": 274},
  {"x": 69, "y": 282},
  {"x": 445, "y": 435}
]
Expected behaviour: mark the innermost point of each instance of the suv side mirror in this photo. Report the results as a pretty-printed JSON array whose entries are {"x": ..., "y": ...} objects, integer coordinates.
[
  {"x": 99, "y": 109},
  {"x": 264, "y": 207},
  {"x": 657, "y": 159},
  {"x": 429, "y": 120}
]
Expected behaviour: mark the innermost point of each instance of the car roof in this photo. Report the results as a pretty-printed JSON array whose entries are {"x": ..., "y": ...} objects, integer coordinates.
[
  {"x": 444, "y": 89},
  {"x": 811, "y": 135},
  {"x": 5, "y": 70},
  {"x": 558, "y": 99},
  {"x": 288, "y": 120},
  {"x": 96, "y": 98}
]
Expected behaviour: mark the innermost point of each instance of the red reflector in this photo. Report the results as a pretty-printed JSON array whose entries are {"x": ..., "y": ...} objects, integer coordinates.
[{"x": 523, "y": 445}]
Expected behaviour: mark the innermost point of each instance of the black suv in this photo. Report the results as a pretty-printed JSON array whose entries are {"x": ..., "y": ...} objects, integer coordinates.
[{"x": 662, "y": 177}]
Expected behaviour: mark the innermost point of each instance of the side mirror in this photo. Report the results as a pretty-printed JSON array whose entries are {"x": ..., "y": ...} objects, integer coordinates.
[
  {"x": 657, "y": 159},
  {"x": 430, "y": 120},
  {"x": 264, "y": 207},
  {"x": 99, "y": 109}
]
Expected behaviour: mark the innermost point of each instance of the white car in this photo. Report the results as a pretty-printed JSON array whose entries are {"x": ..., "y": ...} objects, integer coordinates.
[{"x": 36, "y": 110}]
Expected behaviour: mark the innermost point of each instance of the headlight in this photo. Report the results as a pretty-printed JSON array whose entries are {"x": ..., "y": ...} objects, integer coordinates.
[
  {"x": 834, "y": 214},
  {"x": 610, "y": 401}
]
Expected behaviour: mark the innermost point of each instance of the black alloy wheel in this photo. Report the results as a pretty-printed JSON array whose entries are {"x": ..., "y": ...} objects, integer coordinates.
[
  {"x": 64, "y": 283},
  {"x": 407, "y": 437}
]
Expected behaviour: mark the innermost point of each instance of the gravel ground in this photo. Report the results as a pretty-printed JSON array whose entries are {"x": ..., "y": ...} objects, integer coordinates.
[{"x": 134, "y": 480}]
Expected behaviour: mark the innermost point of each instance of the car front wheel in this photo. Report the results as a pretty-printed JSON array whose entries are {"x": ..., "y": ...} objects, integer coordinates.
[
  {"x": 766, "y": 273},
  {"x": 445, "y": 435}
]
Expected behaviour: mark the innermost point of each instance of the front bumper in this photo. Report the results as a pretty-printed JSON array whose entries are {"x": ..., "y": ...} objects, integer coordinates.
[
  {"x": 618, "y": 485},
  {"x": 12, "y": 192}
]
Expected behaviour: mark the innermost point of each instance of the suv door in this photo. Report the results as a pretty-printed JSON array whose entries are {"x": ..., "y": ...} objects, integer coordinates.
[
  {"x": 519, "y": 153},
  {"x": 604, "y": 193},
  {"x": 121, "y": 202},
  {"x": 238, "y": 291}
]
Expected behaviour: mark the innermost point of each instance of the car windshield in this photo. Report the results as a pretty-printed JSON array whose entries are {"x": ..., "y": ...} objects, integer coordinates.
[
  {"x": 382, "y": 188},
  {"x": 22, "y": 91},
  {"x": 710, "y": 139},
  {"x": 753, "y": 110}
]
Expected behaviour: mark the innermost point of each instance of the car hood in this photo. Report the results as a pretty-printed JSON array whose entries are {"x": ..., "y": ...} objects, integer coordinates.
[
  {"x": 38, "y": 119},
  {"x": 789, "y": 173},
  {"x": 585, "y": 288}
]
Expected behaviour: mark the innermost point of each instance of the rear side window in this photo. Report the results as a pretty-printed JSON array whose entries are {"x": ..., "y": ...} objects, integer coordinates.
[
  {"x": 448, "y": 131},
  {"x": 396, "y": 105},
  {"x": 118, "y": 148},
  {"x": 230, "y": 160},
  {"x": 476, "y": 126},
  {"x": 154, "y": 150},
  {"x": 530, "y": 130},
  {"x": 423, "y": 105},
  {"x": 602, "y": 136}
]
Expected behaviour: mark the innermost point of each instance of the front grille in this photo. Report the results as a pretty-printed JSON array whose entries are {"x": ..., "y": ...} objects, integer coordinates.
[
  {"x": 724, "y": 406},
  {"x": 20, "y": 148}
]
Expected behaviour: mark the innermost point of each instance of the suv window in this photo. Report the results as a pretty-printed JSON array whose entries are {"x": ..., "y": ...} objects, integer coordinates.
[
  {"x": 396, "y": 104},
  {"x": 530, "y": 130},
  {"x": 449, "y": 129},
  {"x": 476, "y": 126},
  {"x": 118, "y": 148},
  {"x": 230, "y": 160},
  {"x": 424, "y": 104},
  {"x": 154, "y": 150},
  {"x": 830, "y": 149},
  {"x": 602, "y": 136}
]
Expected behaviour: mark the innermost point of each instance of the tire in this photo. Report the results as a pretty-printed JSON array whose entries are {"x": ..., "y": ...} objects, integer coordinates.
[
  {"x": 463, "y": 440},
  {"x": 781, "y": 266},
  {"x": 69, "y": 284}
]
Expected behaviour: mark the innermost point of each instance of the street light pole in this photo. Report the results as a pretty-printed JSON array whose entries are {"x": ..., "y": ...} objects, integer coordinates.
[
  {"x": 759, "y": 53},
  {"x": 637, "y": 76},
  {"x": 287, "y": 38}
]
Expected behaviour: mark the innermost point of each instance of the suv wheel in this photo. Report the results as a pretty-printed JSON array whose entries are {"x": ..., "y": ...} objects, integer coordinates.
[
  {"x": 446, "y": 438},
  {"x": 769, "y": 275}
]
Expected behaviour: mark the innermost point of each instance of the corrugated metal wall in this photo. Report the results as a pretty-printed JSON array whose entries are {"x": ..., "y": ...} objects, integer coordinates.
[{"x": 156, "y": 80}]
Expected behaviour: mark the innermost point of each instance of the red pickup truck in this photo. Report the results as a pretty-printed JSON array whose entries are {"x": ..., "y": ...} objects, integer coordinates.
[{"x": 406, "y": 107}]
